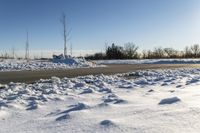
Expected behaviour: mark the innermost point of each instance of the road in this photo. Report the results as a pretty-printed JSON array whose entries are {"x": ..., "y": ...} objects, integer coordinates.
[{"x": 31, "y": 76}]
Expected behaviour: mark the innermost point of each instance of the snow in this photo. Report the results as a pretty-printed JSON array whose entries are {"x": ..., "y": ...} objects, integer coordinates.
[
  {"x": 152, "y": 101},
  {"x": 169, "y": 100},
  {"x": 19, "y": 65},
  {"x": 150, "y": 61}
]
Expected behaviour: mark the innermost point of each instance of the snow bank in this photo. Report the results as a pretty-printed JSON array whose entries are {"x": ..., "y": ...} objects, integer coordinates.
[
  {"x": 150, "y": 61},
  {"x": 104, "y": 103},
  {"x": 18, "y": 65},
  {"x": 71, "y": 61}
]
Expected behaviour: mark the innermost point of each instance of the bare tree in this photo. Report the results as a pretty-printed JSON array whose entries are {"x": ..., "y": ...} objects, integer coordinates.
[
  {"x": 187, "y": 52},
  {"x": 66, "y": 32},
  {"x": 144, "y": 54},
  {"x": 131, "y": 50},
  {"x": 149, "y": 54},
  {"x": 158, "y": 52},
  {"x": 195, "y": 50},
  {"x": 171, "y": 53}
]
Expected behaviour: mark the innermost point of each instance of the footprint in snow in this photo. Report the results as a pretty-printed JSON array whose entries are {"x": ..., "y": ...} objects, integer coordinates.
[{"x": 169, "y": 100}]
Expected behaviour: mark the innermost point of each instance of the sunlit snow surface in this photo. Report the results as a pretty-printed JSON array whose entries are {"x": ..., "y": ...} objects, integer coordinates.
[
  {"x": 20, "y": 65},
  {"x": 150, "y": 61},
  {"x": 153, "y": 101}
]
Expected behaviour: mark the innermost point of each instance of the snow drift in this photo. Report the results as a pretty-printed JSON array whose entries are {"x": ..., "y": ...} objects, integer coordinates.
[
  {"x": 150, "y": 61},
  {"x": 104, "y": 103},
  {"x": 19, "y": 65}
]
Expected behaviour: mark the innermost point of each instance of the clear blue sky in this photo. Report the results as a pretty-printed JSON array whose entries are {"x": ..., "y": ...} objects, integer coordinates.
[{"x": 147, "y": 23}]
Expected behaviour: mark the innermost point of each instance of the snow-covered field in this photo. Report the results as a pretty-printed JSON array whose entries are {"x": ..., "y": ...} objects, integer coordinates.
[
  {"x": 150, "y": 61},
  {"x": 18, "y": 65},
  {"x": 144, "y": 101}
]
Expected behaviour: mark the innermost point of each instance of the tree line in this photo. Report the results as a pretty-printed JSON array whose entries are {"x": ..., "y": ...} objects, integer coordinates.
[{"x": 130, "y": 51}]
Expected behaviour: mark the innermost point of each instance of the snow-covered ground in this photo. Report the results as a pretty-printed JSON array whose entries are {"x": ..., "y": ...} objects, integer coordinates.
[
  {"x": 150, "y": 61},
  {"x": 18, "y": 65},
  {"x": 152, "y": 101}
]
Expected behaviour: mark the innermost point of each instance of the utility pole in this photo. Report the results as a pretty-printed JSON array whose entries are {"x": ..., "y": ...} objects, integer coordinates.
[
  {"x": 66, "y": 32},
  {"x": 63, "y": 21},
  {"x": 27, "y": 47}
]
